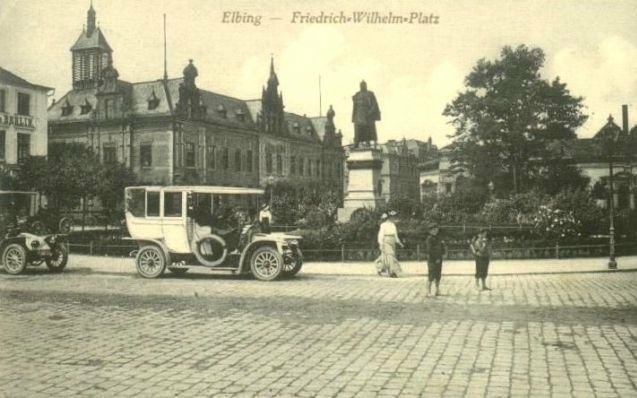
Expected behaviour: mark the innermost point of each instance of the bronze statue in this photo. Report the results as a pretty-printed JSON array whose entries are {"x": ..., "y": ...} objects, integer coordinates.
[{"x": 364, "y": 116}]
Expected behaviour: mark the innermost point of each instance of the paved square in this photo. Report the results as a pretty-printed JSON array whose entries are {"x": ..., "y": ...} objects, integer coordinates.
[{"x": 91, "y": 332}]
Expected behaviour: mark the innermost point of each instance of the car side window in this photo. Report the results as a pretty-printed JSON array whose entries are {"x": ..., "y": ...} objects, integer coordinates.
[
  {"x": 152, "y": 204},
  {"x": 172, "y": 204}
]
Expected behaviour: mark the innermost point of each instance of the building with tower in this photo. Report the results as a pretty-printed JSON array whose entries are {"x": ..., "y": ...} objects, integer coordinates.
[{"x": 170, "y": 131}]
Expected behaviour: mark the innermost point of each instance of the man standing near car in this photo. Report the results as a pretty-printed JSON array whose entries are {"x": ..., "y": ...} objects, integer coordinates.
[{"x": 265, "y": 218}]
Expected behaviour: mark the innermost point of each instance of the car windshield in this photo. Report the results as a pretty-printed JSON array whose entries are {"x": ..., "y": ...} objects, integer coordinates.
[{"x": 223, "y": 209}]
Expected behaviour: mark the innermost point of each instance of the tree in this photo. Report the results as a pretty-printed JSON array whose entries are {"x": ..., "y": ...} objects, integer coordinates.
[
  {"x": 507, "y": 116},
  {"x": 110, "y": 189}
]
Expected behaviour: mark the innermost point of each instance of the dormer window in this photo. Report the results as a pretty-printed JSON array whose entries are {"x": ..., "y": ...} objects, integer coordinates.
[
  {"x": 296, "y": 127},
  {"x": 67, "y": 109},
  {"x": 86, "y": 108},
  {"x": 240, "y": 115},
  {"x": 153, "y": 101},
  {"x": 308, "y": 130},
  {"x": 221, "y": 111}
]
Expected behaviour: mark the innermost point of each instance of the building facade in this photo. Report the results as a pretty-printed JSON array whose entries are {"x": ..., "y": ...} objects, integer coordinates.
[
  {"x": 170, "y": 131},
  {"x": 23, "y": 120},
  {"x": 399, "y": 173}
]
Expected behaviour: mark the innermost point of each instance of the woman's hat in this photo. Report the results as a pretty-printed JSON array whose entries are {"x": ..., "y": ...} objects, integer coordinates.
[
  {"x": 264, "y": 206},
  {"x": 383, "y": 216},
  {"x": 433, "y": 225},
  {"x": 392, "y": 213}
]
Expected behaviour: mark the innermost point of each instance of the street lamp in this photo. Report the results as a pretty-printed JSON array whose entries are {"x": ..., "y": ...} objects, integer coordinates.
[
  {"x": 271, "y": 184},
  {"x": 609, "y": 136}
]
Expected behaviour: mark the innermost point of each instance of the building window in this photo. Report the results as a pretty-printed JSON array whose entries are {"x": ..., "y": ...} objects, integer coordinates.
[
  {"x": 67, "y": 109},
  {"x": 301, "y": 162},
  {"x": 268, "y": 163},
  {"x": 318, "y": 168},
  {"x": 237, "y": 160},
  {"x": 279, "y": 164},
  {"x": 292, "y": 165},
  {"x": 249, "y": 159},
  {"x": 2, "y": 145},
  {"x": 109, "y": 154},
  {"x": 309, "y": 167},
  {"x": 24, "y": 104},
  {"x": 210, "y": 157},
  {"x": 225, "y": 159},
  {"x": 24, "y": 147},
  {"x": 153, "y": 101},
  {"x": 86, "y": 108},
  {"x": 448, "y": 187},
  {"x": 109, "y": 108},
  {"x": 146, "y": 155},
  {"x": 190, "y": 154},
  {"x": 2, "y": 101}
]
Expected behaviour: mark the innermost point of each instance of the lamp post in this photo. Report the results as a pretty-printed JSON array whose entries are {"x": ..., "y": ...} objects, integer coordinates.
[
  {"x": 609, "y": 136},
  {"x": 271, "y": 184}
]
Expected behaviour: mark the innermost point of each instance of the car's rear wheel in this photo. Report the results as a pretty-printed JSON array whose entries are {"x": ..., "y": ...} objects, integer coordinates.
[
  {"x": 266, "y": 263},
  {"x": 14, "y": 258},
  {"x": 59, "y": 258},
  {"x": 294, "y": 267},
  {"x": 150, "y": 262}
]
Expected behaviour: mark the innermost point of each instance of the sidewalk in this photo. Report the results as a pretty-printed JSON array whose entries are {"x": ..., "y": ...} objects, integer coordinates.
[{"x": 451, "y": 267}]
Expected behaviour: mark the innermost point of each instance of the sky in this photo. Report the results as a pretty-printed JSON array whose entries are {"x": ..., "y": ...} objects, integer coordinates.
[{"x": 414, "y": 69}]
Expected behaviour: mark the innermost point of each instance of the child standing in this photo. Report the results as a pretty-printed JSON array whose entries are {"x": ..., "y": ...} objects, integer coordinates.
[
  {"x": 435, "y": 251},
  {"x": 481, "y": 248}
]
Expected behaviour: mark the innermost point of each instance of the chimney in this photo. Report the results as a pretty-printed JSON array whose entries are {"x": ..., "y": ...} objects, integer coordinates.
[{"x": 625, "y": 118}]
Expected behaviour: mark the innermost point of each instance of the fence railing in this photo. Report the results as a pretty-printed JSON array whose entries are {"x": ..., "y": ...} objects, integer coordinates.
[{"x": 345, "y": 252}]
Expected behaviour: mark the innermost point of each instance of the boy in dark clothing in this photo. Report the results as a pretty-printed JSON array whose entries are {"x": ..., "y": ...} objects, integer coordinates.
[{"x": 435, "y": 250}]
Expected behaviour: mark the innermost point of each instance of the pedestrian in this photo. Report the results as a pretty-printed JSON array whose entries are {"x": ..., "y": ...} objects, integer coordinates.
[
  {"x": 387, "y": 240},
  {"x": 435, "y": 251},
  {"x": 379, "y": 263},
  {"x": 265, "y": 218},
  {"x": 481, "y": 249}
]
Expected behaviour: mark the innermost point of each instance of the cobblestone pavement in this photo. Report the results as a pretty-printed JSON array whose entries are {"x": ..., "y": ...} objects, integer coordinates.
[{"x": 91, "y": 332}]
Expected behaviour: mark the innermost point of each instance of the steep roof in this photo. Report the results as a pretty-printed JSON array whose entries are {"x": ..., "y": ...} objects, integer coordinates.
[
  {"x": 319, "y": 123},
  {"x": 15, "y": 80},
  {"x": 94, "y": 40},
  {"x": 305, "y": 130}
]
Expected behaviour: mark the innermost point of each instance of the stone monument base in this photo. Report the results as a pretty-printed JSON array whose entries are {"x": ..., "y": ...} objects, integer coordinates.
[{"x": 364, "y": 167}]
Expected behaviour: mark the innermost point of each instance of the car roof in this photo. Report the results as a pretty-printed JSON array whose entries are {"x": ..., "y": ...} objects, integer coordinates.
[{"x": 202, "y": 189}]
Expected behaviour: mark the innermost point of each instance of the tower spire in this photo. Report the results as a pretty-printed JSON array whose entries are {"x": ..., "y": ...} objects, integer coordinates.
[{"x": 90, "y": 20}]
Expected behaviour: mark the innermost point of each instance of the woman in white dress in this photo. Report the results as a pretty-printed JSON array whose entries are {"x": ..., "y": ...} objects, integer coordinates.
[{"x": 387, "y": 240}]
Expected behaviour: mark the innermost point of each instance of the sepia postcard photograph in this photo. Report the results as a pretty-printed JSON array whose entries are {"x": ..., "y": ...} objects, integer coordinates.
[{"x": 326, "y": 198}]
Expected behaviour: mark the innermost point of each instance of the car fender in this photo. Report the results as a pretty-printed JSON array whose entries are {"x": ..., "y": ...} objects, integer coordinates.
[
  {"x": 244, "y": 260},
  {"x": 7, "y": 241},
  {"x": 156, "y": 242}
]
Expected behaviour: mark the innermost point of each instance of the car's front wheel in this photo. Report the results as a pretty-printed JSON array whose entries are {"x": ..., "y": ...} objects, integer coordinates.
[
  {"x": 266, "y": 263},
  {"x": 59, "y": 258},
  {"x": 150, "y": 262},
  {"x": 14, "y": 258}
]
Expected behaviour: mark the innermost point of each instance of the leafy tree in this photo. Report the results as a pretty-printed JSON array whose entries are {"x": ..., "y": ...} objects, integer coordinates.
[
  {"x": 110, "y": 189},
  {"x": 506, "y": 117}
]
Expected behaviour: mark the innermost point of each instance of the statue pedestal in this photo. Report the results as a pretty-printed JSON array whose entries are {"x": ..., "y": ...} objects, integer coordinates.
[{"x": 364, "y": 167}]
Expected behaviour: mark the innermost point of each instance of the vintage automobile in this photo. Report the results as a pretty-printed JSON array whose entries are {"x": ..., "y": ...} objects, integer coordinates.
[
  {"x": 18, "y": 246},
  {"x": 178, "y": 227}
]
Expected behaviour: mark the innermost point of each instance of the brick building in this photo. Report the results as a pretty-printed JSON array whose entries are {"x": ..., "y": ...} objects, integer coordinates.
[{"x": 169, "y": 131}]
